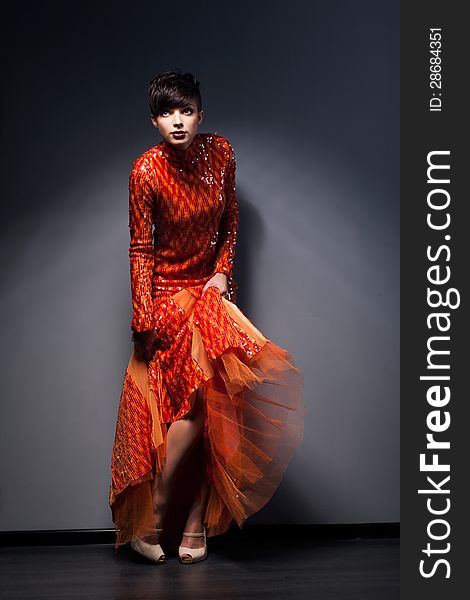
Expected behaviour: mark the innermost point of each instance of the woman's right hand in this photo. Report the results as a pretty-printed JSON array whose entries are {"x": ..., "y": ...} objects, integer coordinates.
[{"x": 145, "y": 344}]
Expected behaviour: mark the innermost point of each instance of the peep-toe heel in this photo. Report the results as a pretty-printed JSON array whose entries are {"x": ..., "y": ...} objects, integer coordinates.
[
  {"x": 195, "y": 554},
  {"x": 153, "y": 552}
]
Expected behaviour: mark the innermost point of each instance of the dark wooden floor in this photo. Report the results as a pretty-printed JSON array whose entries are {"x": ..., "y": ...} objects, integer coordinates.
[{"x": 359, "y": 569}]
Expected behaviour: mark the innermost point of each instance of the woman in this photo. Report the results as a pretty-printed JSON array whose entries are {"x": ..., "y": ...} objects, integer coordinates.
[{"x": 203, "y": 385}]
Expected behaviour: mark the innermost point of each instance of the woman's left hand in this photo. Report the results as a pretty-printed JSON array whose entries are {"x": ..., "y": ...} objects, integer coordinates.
[{"x": 220, "y": 280}]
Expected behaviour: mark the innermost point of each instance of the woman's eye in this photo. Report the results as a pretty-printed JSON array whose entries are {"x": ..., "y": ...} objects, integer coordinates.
[{"x": 167, "y": 112}]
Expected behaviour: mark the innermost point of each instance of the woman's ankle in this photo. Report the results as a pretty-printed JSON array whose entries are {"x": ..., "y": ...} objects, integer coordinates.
[{"x": 194, "y": 525}]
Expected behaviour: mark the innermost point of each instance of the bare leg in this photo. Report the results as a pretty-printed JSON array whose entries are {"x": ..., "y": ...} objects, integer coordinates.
[
  {"x": 181, "y": 439},
  {"x": 197, "y": 510}
]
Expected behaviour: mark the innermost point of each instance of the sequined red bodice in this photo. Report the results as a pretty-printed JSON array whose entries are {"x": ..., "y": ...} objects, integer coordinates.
[{"x": 183, "y": 218}]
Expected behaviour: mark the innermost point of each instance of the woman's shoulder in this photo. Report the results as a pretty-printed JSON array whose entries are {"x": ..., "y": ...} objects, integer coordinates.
[
  {"x": 146, "y": 162},
  {"x": 219, "y": 142}
]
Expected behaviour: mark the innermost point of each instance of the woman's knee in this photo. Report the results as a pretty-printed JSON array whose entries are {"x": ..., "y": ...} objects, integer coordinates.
[{"x": 196, "y": 411}]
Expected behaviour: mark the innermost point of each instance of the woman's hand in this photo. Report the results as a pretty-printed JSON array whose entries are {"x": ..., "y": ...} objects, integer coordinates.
[
  {"x": 145, "y": 344},
  {"x": 220, "y": 280}
]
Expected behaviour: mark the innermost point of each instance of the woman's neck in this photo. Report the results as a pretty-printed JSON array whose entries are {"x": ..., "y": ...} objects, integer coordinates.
[{"x": 181, "y": 156}]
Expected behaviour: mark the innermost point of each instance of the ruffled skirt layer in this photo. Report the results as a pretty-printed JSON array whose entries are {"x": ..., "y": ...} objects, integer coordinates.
[{"x": 253, "y": 410}]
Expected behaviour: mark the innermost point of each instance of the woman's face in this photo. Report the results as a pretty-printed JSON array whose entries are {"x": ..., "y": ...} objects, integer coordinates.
[{"x": 178, "y": 126}]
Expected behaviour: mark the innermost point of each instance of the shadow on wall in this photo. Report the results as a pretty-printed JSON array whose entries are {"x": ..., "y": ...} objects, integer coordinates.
[{"x": 251, "y": 235}]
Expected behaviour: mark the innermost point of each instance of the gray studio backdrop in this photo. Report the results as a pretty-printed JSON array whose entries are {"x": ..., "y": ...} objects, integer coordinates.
[{"x": 308, "y": 94}]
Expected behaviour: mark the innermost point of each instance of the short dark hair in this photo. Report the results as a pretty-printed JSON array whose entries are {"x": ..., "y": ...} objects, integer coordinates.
[{"x": 173, "y": 89}]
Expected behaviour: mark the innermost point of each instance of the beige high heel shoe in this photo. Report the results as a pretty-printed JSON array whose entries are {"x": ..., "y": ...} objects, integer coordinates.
[
  {"x": 195, "y": 554},
  {"x": 153, "y": 552}
]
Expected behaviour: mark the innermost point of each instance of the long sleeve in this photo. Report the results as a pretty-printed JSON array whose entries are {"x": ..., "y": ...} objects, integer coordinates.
[
  {"x": 141, "y": 249},
  {"x": 228, "y": 228}
]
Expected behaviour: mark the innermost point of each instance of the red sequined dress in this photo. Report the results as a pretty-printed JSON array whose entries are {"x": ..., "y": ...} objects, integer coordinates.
[{"x": 183, "y": 219}]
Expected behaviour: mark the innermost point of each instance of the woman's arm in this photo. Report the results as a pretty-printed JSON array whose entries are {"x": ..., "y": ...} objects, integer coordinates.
[
  {"x": 228, "y": 228},
  {"x": 141, "y": 249}
]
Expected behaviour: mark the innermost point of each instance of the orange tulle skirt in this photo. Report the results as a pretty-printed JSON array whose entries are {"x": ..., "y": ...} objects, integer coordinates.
[{"x": 253, "y": 410}]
